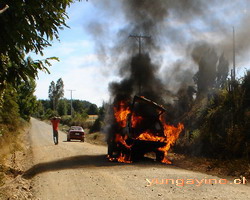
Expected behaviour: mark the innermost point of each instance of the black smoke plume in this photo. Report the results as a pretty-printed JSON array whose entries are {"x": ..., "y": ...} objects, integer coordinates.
[{"x": 197, "y": 40}]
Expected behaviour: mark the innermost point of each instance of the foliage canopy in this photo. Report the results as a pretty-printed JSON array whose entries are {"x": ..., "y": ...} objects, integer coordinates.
[{"x": 28, "y": 26}]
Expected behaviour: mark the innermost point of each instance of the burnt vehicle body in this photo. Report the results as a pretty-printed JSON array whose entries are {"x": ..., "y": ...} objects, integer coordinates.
[{"x": 143, "y": 133}]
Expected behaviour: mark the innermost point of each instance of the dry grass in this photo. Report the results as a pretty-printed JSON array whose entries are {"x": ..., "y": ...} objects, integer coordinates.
[
  {"x": 17, "y": 157},
  {"x": 9, "y": 144},
  {"x": 231, "y": 168},
  {"x": 96, "y": 138}
]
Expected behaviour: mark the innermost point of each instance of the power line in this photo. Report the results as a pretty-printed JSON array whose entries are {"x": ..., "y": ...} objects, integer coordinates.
[{"x": 139, "y": 39}]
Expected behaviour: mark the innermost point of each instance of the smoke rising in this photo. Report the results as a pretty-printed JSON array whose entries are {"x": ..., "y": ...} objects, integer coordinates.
[
  {"x": 186, "y": 36},
  {"x": 172, "y": 24},
  {"x": 140, "y": 78}
]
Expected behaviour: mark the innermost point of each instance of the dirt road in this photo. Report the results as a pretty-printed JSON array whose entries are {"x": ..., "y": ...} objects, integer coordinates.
[{"x": 75, "y": 170}]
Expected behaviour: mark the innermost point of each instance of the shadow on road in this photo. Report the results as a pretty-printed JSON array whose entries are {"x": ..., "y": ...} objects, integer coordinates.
[
  {"x": 81, "y": 162},
  {"x": 68, "y": 163}
]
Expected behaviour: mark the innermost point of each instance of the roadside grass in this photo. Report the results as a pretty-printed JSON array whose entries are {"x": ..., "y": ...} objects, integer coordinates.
[
  {"x": 9, "y": 144},
  {"x": 232, "y": 168},
  {"x": 96, "y": 138}
]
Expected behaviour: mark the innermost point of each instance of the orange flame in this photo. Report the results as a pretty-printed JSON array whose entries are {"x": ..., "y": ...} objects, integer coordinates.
[
  {"x": 121, "y": 112},
  {"x": 110, "y": 158},
  {"x": 135, "y": 120},
  {"x": 150, "y": 137},
  {"x": 121, "y": 139},
  {"x": 171, "y": 133},
  {"x": 123, "y": 157}
]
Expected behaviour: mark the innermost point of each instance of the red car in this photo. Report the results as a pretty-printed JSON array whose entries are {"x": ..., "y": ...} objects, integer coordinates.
[{"x": 76, "y": 132}]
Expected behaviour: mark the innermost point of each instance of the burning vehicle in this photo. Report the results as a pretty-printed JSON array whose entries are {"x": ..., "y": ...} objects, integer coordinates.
[{"x": 141, "y": 129}]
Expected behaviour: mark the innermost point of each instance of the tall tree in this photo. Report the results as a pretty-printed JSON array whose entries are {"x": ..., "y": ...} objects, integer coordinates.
[
  {"x": 59, "y": 89},
  {"x": 52, "y": 90},
  {"x": 56, "y": 91},
  {"x": 206, "y": 58},
  {"x": 222, "y": 72}
]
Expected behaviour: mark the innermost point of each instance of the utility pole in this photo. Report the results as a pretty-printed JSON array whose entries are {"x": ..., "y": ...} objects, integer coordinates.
[
  {"x": 233, "y": 83},
  {"x": 71, "y": 111},
  {"x": 233, "y": 70},
  {"x": 139, "y": 39}
]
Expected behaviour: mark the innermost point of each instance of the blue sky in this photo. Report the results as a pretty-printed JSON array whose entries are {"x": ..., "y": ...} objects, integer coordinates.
[
  {"x": 79, "y": 66},
  {"x": 83, "y": 71}
]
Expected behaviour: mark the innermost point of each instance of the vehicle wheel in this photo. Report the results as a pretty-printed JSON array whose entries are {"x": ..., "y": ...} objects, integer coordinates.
[
  {"x": 136, "y": 155},
  {"x": 159, "y": 156},
  {"x": 82, "y": 140},
  {"x": 68, "y": 139},
  {"x": 110, "y": 149}
]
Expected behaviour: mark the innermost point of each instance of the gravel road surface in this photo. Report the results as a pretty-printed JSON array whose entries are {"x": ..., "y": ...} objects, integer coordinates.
[{"x": 77, "y": 170}]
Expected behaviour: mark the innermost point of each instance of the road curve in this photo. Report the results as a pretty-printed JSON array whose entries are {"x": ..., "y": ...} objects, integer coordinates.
[{"x": 76, "y": 170}]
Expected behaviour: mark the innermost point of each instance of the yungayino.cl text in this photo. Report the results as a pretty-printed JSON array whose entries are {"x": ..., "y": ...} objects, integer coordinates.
[{"x": 194, "y": 181}]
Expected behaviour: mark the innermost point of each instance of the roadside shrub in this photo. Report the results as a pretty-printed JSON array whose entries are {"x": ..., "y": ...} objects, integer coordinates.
[
  {"x": 96, "y": 126},
  {"x": 50, "y": 113},
  {"x": 77, "y": 120},
  {"x": 66, "y": 120},
  {"x": 9, "y": 111}
]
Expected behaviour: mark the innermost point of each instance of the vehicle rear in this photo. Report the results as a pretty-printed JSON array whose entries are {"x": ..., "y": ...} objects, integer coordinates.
[
  {"x": 143, "y": 133},
  {"x": 76, "y": 133}
]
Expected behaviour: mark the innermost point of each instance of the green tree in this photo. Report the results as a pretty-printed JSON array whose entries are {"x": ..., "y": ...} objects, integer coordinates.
[
  {"x": 40, "y": 110},
  {"x": 99, "y": 121},
  {"x": 78, "y": 106},
  {"x": 222, "y": 72},
  {"x": 206, "y": 58},
  {"x": 52, "y": 94},
  {"x": 102, "y": 111},
  {"x": 26, "y": 100},
  {"x": 93, "y": 109},
  {"x": 9, "y": 112},
  {"x": 56, "y": 92},
  {"x": 96, "y": 126},
  {"x": 246, "y": 89},
  {"x": 27, "y": 26},
  {"x": 59, "y": 89},
  {"x": 62, "y": 107},
  {"x": 45, "y": 104}
]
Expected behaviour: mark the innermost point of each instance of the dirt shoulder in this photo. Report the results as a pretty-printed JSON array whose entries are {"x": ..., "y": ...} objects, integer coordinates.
[
  {"x": 18, "y": 158},
  {"x": 96, "y": 138},
  {"x": 232, "y": 169}
]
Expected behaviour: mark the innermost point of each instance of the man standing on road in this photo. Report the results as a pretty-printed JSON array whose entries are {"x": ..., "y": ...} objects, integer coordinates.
[{"x": 55, "y": 123}]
